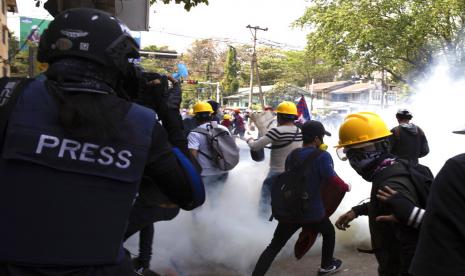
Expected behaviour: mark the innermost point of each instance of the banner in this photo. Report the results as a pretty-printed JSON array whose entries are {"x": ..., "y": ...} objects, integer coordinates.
[{"x": 30, "y": 30}]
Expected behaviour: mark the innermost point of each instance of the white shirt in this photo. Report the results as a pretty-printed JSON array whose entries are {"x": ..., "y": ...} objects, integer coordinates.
[{"x": 199, "y": 142}]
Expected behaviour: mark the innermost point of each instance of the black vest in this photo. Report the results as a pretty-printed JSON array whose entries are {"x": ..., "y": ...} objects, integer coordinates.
[{"x": 65, "y": 201}]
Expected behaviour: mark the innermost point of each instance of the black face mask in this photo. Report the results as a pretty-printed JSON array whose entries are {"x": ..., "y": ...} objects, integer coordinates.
[{"x": 364, "y": 162}]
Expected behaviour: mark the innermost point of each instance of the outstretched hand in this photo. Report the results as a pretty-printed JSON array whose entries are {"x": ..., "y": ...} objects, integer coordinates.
[{"x": 342, "y": 222}]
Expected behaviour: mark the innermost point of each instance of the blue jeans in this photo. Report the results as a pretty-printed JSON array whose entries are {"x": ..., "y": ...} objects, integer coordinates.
[{"x": 265, "y": 195}]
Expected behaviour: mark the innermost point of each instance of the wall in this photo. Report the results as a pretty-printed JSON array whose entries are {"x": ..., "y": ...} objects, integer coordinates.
[{"x": 4, "y": 68}]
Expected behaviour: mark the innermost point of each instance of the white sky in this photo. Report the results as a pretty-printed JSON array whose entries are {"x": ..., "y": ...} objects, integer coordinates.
[{"x": 171, "y": 25}]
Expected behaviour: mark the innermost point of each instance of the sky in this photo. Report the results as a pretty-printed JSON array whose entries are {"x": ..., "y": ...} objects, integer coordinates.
[{"x": 224, "y": 20}]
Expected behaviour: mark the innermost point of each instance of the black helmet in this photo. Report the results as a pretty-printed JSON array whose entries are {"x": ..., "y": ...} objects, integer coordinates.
[
  {"x": 89, "y": 34},
  {"x": 404, "y": 114}
]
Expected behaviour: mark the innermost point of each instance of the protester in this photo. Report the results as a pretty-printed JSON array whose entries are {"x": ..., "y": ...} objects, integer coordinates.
[
  {"x": 441, "y": 243},
  {"x": 213, "y": 177},
  {"x": 283, "y": 139},
  {"x": 409, "y": 141},
  {"x": 239, "y": 125},
  {"x": 76, "y": 149},
  {"x": 227, "y": 122},
  {"x": 217, "y": 113},
  {"x": 320, "y": 172},
  {"x": 363, "y": 140}
]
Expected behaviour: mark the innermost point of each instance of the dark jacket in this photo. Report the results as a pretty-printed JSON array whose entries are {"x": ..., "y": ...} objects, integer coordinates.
[
  {"x": 441, "y": 243},
  {"x": 393, "y": 244},
  {"x": 61, "y": 212},
  {"x": 408, "y": 142}
]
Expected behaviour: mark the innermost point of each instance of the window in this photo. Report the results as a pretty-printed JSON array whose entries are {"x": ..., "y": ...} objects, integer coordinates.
[{"x": 376, "y": 96}]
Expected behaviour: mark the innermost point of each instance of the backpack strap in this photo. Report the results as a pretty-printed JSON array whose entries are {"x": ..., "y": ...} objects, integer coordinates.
[
  {"x": 287, "y": 143},
  {"x": 10, "y": 89},
  {"x": 206, "y": 133},
  {"x": 311, "y": 157}
]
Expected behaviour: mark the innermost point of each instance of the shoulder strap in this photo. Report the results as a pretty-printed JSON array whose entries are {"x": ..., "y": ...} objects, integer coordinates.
[
  {"x": 287, "y": 143},
  {"x": 206, "y": 133},
  {"x": 11, "y": 88},
  {"x": 311, "y": 157}
]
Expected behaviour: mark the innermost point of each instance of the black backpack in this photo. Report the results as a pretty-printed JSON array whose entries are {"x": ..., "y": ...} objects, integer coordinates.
[
  {"x": 422, "y": 179},
  {"x": 289, "y": 197}
]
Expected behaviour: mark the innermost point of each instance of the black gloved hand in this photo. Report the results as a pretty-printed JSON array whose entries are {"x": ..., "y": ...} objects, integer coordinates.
[{"x": 402, "y": 208}]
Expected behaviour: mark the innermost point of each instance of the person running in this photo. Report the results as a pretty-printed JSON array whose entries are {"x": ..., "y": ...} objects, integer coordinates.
[{"x": 320, "y": 172}]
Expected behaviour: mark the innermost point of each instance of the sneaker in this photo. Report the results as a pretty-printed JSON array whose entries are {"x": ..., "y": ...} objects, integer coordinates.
[{"x": 333, "y": 268}]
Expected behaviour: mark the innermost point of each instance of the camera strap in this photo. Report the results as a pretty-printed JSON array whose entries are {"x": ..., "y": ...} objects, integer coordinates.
[{"x": 10, "y": 89}]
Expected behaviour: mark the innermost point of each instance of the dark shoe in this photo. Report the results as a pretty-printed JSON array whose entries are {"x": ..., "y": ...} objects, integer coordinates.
[{"x": 333, "y": 268}]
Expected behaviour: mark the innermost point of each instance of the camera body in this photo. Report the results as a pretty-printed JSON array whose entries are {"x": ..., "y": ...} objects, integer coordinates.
[{"x": 137, "y": 82}]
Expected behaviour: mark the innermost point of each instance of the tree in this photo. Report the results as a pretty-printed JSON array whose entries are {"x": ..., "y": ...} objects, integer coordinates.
[
  {"x": 203, "y": 60},
  {"x": 18, "y": 60},
  {"x": 401, "y": 37},
  {"x": 230, "y": 83},
  {"x": 188, "y": 4}
]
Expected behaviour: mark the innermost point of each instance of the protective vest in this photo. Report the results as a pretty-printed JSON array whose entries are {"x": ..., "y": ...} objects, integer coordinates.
[{"x": 65, "y": 201}]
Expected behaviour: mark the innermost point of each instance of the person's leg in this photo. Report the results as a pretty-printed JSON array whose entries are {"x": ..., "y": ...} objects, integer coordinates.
[
  {"x": 145, "y": 246},
  {"x": 282, "y": 234},
  {"x": 265, "y": 195},
  {"x": 326, "y": 228}
]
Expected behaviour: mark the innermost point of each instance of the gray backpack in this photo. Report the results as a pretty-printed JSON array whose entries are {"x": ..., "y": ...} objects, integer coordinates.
[{"x": 223, "y": 148}]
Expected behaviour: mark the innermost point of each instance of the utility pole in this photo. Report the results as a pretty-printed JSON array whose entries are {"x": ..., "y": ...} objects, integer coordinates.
[{"x": 254, "y": 65}]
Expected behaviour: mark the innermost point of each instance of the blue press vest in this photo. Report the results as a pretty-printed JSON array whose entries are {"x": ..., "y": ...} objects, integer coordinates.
[{"x": 64, "y": 201}]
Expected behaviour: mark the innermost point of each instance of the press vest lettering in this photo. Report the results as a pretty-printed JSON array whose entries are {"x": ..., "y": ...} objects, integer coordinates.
[{"x": 85, "y": 152}]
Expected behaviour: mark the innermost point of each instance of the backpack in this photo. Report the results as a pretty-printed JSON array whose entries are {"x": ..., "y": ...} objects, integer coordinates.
[
  {"x": 223, "y": 148},
  {"x": 289, "y": 198},
  {"x": 422, "y": 179}
]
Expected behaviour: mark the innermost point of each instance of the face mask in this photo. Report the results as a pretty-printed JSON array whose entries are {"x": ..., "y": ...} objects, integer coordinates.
[{"x": 362, "y": 161}]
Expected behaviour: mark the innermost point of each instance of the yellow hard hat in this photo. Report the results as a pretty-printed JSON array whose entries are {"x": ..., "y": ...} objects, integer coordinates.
[
  {"x": 361, "y": 127},
  {"x": 287, "y": 108},
  {"x": 202, "y": 107},
  {"x": 227, "y": 117}
]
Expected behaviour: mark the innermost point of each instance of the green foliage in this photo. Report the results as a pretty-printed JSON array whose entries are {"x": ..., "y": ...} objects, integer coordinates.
[
  {"x": 400, "y": 36},
  {"x": 19, "y": 64},
  {"x": 162, "y": 66},
  {"x": 230, "y": 83},
  {"x": 188, "y": 4}
]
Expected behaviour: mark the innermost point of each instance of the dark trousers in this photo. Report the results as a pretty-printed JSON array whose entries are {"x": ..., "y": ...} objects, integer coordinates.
[
  {"x": 142, "y": 219},
  {"x": 284, "y": 232}
]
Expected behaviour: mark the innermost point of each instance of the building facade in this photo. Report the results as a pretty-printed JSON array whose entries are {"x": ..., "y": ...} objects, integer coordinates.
[{"x": 7, "y": 6}]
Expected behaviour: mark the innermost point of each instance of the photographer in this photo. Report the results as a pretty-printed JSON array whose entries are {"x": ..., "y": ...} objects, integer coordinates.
[
  {"x": 151, "y": 205},
  {"x": 75, "y": 151}
]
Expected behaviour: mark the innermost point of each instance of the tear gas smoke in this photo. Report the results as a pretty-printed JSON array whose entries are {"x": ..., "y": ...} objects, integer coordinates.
[{"x": 227, "y": 232}]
